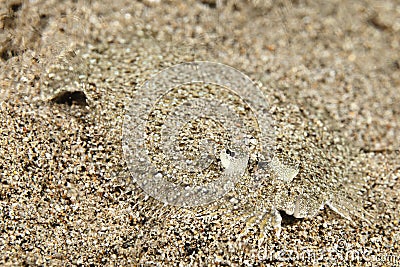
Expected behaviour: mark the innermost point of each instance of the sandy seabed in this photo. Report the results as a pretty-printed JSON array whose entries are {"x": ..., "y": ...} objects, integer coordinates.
[{"x": 68, "y": 71}]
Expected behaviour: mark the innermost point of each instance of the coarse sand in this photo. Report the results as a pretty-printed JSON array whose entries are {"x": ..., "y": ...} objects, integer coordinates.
[{"x": 70, "y": 69}]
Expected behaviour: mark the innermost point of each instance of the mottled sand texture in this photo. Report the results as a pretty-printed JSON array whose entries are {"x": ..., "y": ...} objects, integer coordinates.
[{"x": 66, "y": 195}]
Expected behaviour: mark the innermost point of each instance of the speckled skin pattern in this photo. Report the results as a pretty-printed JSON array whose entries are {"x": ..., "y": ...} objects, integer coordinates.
[{"x": 330, "y": 72}]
